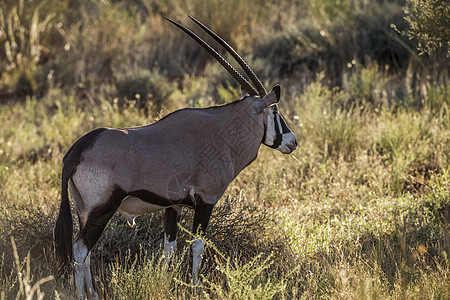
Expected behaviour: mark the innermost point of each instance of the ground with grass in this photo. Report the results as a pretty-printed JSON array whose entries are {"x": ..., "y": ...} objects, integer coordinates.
[{"x": 361, "y": 210}]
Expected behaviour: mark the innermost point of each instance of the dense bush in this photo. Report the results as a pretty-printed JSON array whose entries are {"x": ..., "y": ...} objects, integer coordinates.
[{"x": 429, "y": 23}]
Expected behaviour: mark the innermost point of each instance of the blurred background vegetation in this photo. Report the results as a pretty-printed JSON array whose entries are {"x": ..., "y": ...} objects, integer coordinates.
[
  {"x": 360, "y": 210},
  {"x": 125, "y": 49}
]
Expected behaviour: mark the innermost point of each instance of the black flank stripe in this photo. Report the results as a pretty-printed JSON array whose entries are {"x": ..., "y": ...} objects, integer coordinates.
[{"x": 152, "y": 198}]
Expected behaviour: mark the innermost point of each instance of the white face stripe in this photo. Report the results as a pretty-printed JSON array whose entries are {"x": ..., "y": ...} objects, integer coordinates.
[
  {"x": 271, "y": 133},
  {"x": 280, "y": 138},
  {"x": 279, "y": 124}
]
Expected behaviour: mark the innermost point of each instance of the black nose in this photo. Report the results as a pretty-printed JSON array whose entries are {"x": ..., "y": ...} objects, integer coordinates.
[{"x": 295, "y": 142}]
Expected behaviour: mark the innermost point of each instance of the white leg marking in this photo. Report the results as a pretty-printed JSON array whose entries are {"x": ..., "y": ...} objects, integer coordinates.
[
  {"x": 197, "y": 250},
  {"x": 169, "y": 248},
  {"x": 92, "y": 294},
  {"x": 80, "y": 253}
]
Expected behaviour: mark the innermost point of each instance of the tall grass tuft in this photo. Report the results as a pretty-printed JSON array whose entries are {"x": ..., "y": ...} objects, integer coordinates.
[
  {"x": 251, "y": 280},
  {"x": 22, "y": 48},
  {"x": 23, "y": 282},
  {"x": 145, "y": 276}
]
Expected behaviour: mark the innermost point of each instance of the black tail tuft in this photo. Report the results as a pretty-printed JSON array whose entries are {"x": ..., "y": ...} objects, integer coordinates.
[{"x": 64, "y": 225}]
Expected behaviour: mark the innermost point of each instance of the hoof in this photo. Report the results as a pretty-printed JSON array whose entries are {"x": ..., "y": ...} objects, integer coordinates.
[
  {"x": 197, "y": 287},
  {"x": 92, "y": 295}
]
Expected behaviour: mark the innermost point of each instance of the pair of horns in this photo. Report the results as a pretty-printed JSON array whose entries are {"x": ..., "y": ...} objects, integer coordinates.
[{"x": 236, "y": 75}]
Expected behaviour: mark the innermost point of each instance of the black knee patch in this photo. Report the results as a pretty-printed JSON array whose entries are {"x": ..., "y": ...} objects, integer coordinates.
[
  {"x": 170, "y": 224},
  {"x": 202, "y": 214}
]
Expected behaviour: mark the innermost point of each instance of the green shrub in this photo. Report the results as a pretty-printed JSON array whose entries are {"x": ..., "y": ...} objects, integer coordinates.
[
  {"x": 146, "y": 86},
  {"x": 330, "y": 34},
  {"x": 145, "y": 276},
  {"x": 429, "y": 24},
  {"x": 105, "y": 36},
  {"x": 334, "y": 130},
  {"x": 195, "y": 91},
  {"x": 251, "y": 280},
  {"x": 368, "y": 86},
  {"x": 410, "y": 144}
]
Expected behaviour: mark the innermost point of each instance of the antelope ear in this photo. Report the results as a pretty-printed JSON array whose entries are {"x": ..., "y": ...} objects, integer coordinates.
[
  {"x": 271, "y": 98},
  {"x": 244, "y": 93}
]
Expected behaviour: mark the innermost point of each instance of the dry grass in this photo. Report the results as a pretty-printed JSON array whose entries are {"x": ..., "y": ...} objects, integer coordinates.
[
  {"x": 379, "y": 207},
  {"x": 360, "y": 210}
]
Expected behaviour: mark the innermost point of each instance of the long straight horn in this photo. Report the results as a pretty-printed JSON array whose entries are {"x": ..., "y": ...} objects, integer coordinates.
[
  {"x": 259, "y": 86},
  {"x": 236, "y": 75}
]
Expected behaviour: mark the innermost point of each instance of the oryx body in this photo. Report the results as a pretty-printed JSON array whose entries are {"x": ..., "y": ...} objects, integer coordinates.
[{"x": 186, "y": 159}]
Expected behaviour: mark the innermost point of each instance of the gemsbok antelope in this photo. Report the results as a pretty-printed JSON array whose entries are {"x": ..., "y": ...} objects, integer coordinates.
[{"x": 186, "y": 159}]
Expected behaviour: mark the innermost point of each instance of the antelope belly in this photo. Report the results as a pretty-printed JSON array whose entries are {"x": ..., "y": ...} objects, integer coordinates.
[{"x": 132, "y": 207}]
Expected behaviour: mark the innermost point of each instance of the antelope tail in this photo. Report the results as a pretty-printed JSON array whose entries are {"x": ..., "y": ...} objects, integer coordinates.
[{"x": 64, "y": 225}]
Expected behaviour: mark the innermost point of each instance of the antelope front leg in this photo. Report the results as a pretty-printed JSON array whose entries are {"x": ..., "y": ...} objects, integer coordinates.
[
  {"x": 201, "y": 219},
  {"x": 172, "y": 217}
]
